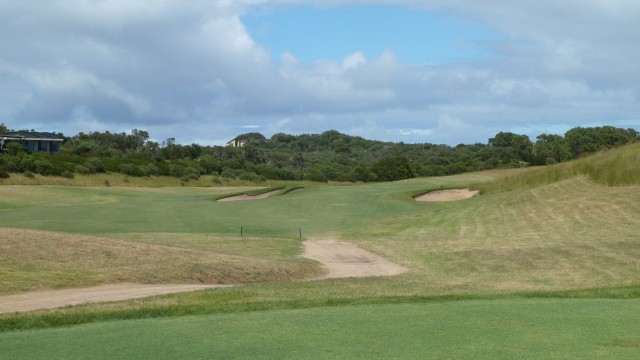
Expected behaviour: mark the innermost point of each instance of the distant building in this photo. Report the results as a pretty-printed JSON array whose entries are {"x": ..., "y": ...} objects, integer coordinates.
[
  {"x": 34, "y": 142},
  {"x": 238, "y": 142}
]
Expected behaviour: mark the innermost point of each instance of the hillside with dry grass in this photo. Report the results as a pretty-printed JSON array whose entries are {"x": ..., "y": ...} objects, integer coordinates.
[{"x": 49, "y": 260}]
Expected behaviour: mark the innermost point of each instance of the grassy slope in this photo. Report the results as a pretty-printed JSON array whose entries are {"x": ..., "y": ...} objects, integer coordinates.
[
  {"x": 616, "y": 167},
  {"x": 499, "y": 329},
  {"x": 45, "y": 260}
]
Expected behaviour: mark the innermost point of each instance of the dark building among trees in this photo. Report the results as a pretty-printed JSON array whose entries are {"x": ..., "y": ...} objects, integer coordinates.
[{"x": 32, "y": 142}]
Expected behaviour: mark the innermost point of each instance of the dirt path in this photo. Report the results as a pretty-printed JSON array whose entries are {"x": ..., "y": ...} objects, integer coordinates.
[
  {"x": 35, "y": 300},
  {"x": 343, "y": 259},
  {"x": 340, "y": 260},
  {"x": 447, "y": 195}
]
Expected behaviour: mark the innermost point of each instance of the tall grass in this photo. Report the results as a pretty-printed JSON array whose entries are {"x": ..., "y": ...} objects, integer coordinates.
[{"x": 615, "y": 167}]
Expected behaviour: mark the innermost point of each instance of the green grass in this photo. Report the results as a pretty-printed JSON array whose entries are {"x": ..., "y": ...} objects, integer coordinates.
[
  {"x": 495, "y": 329},
  {"x": 558, "y": 233},
  {"x": 615, "y": 167}
]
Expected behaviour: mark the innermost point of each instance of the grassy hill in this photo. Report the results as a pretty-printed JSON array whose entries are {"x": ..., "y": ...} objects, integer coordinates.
[{"x": 616, "y": 167}]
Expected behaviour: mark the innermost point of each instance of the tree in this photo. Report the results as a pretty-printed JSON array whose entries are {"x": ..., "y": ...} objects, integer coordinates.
[
  {"x": 391, "y": 169},
  {"x": 512, "y": 147},
  {"x": 3, "y": 129},
  {"x": 551, "y": 149}
]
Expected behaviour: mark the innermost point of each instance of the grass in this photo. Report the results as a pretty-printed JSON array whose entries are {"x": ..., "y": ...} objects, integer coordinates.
[
  {"x": 495, "y": 329},
  {"x": 49, "y": 260},
  {"x": 547, "y": 240},
  {"x": 615, "y": 167}
]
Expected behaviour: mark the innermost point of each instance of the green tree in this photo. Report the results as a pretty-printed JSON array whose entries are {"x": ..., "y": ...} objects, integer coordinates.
[
  {"x": 512, "y": 147},
  {"x": 551, "y": 149}
]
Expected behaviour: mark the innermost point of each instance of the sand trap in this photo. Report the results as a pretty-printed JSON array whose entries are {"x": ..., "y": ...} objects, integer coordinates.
[
  {"x": 343, "y": 259},
  {"x": 339, "y": 259},
  {"x": 35, "y": 300},
  {"x": 250, "y": 197},
  {"x": 447, "y": 195}
]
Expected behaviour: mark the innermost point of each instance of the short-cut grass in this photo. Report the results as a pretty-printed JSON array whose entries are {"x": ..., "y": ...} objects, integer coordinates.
[{"x": 494, "y": 329}]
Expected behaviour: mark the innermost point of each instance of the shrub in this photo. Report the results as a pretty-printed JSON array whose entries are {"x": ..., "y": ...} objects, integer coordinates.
[
  {"x": 44, "y": 167},
  {"x": 94, "y": 165},
  {"x": 29, "y": 174},
  {"x": 4, "y": 174},
  {"x": 67, "y": 174},
  {"x": 130, "y": 169},
  {"x": 228, "y": 174},
  {"x": 82, "y": 170}
]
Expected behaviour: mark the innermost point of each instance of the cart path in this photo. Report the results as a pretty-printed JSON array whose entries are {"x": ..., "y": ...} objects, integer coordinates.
[{"x": 339, "y": 259}]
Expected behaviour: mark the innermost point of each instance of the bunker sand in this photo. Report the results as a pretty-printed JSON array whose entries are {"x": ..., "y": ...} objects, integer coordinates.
[
  {"x": 447, "y": 195},
  {"x": 343, "y": 259},
  {"x": 339, "y": 259},
  {"x": 36, "y": 300}
]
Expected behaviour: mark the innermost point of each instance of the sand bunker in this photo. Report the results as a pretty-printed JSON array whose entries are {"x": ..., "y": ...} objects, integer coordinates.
[
  {"x": 343, "y": 259},
  {"x": 250, "y": 197},
  {"x": 447, "y": 195},
  {"x": 35, "y": 300},
  {"x": 339, "y": 259}
]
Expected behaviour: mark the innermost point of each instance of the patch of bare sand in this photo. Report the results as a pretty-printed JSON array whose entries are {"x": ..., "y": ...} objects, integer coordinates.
[
  {"x": 447, "y": 195},
  {"x": 36, "y": 300},
  {"x": 343, "y": 259},
  {"x": 250, "y": 197}
]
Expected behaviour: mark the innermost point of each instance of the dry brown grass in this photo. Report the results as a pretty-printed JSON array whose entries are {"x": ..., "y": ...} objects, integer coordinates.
[
  {"x": 573, "y": 234},
  {"x": 32, "y": 259}
]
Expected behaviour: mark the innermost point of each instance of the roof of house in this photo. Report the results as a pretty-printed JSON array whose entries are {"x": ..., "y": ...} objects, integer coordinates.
[{"x": 31, "y": 135}]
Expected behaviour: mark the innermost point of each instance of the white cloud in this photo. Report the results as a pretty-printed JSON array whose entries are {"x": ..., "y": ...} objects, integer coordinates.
[{"x": 187, "y": 69}]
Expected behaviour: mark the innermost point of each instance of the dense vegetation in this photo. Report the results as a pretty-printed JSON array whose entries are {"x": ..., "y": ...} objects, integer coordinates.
[{"x": 330, "y": 156}]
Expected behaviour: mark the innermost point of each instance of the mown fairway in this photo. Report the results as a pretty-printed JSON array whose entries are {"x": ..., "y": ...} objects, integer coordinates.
[
  {"x": 499, "y": 329},
  {"x": 568, "y": 237}
]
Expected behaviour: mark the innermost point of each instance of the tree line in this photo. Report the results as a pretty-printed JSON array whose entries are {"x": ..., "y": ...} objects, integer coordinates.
[{"x": 329, "y": 156}]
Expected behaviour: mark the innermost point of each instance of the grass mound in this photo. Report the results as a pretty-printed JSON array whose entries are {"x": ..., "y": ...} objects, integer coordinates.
[
  {"x": 615, "y": 167},
  {"x": 49, "y": 260}
]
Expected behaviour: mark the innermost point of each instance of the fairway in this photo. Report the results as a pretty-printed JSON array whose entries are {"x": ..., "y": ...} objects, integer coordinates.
[{"x": 498, "y": 329}]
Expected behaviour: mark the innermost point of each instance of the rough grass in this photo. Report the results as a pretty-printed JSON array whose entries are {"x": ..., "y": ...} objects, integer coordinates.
[
  {"x": 497, "y": 329},
  {"x": 116, "y": 179},
  {"x": 49, "y": 260},
  {"x": 615, "y": 167}
]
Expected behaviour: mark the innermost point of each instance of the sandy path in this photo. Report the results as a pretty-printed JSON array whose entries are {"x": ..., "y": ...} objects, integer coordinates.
[
  {"x": 34, "y": 300},
  {"x": 250, "y": 197},
  {"x": 343, "y": 259},
  {"x": 447, "y": 195},
  {"x": 339, "y": 259}
]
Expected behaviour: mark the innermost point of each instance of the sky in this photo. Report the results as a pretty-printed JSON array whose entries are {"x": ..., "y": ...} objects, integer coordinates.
[{"x": 418, "y": 71}]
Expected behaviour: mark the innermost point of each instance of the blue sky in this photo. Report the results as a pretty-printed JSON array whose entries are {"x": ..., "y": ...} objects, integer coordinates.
[
  {"x": 331, "y": 33},
  {"x": 203, "y": 71}
]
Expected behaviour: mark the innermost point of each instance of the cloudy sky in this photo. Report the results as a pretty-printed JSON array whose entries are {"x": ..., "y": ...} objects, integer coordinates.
[{"x": 203, "y": 71}]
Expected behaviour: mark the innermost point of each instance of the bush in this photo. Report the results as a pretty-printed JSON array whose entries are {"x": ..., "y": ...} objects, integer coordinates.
[
  {"x": 130, "y": 169},
  {"x": 4, "y": 174},
  {"x": 44, "y": 167},
  {"x": 82, "y": 170},
  {"x": 249, "y": 176},
  {"x": 29, "y": 174},
  {"x": 67, "y": 174},
  {"x": 94, "y": 165},
  {"x": 228, "y": 174}
]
